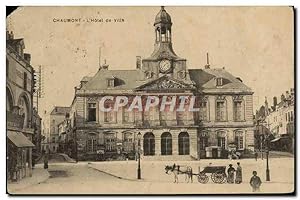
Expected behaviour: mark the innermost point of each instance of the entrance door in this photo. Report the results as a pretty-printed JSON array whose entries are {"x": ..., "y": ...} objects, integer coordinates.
[
  {"x": 214, "y": 152},
  {"x": 166, "y": 144}
]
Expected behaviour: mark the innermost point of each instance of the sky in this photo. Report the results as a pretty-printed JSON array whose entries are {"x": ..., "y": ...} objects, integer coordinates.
[{"x": 253, "y": 43}]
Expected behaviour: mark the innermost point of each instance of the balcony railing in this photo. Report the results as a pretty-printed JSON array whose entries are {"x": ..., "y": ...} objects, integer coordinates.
[{"x": 14, "y": 120}]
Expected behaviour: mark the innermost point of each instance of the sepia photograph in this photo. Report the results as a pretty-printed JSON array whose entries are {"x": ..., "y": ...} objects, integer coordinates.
[{"x": 150, "y": 100}]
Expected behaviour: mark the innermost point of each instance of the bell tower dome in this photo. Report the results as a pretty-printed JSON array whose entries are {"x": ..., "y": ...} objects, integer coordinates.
[{"x": 163, "y": 26}]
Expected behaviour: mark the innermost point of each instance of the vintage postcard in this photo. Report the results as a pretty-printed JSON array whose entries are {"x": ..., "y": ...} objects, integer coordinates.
[{"x": 150, "y": 100}]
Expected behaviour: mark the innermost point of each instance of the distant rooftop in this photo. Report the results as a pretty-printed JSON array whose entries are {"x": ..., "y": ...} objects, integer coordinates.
[{"x": 60, "y": 110}]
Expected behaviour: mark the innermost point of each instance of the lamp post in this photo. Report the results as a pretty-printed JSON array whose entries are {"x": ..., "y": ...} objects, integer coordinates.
[
  {"x": 139, "y": 156},
  {"x": 267, "y": 155}
]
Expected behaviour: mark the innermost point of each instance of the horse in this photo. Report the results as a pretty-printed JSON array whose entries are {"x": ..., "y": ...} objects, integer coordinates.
[{"x": 179, "y": 169}]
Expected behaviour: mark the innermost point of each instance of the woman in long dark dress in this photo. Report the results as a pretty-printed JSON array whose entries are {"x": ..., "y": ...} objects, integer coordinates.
[
  {"x": 230, "y": 172},
  {"x": 238, "y": 174}
]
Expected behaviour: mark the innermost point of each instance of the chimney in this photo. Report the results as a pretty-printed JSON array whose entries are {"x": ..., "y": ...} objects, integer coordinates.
[
  {"x": 11, "y": 36},
  {"x": 287, "y": 94},
  {"x": 138, "y": 62},
  {"x": 105, "y": 66},
  {"x": 292, "y": 91},
  {"x": 274, "y": 102},
  {"x": 27, "y": 57},
  {"x": 207, "y": 62},
  {"x": 282, "y": 97}
]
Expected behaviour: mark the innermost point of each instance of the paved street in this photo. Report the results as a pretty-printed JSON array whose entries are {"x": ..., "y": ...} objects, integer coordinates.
[{"x": 85, "y": 178}]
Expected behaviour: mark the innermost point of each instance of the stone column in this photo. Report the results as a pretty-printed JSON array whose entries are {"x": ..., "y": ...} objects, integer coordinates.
[
  {"x": 157, "y": 142},
  {"x": 175, "y": 147},
  {"x": 193, "y": 142},
  {"x": 30, "y": 161}
]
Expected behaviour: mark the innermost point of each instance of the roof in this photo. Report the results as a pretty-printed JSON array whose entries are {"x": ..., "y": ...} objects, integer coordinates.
[
  {"x": 124, "y": 80},
  {"x": 19, "y": 139},
  {"x": 205, "y": 79},
  {"x": 86, "y": 78},
  {"x": 59, "y": 110},
  {"x": 163, "y": 17},
  {"x": 128, "y": 80},
  {"x": 14, "y": 42}
]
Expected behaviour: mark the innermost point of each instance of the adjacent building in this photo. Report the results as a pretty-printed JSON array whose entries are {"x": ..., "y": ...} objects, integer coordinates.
[
  {"x": 278, "y": 121},
  {"x": 224, "y": 119},
  {"x": 57, "y": 116},
  {"x": 19, "y": 109}
]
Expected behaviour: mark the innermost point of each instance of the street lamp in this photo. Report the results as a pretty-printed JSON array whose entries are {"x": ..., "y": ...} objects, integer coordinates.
[
  {"x": 267, "y": 141},
  {"x": 139, "y": 156}
]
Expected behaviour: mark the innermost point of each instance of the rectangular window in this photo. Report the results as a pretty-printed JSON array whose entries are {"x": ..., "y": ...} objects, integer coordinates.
[
  {"x": 92, "y": 112},
  {"x": 221, "y": 111},
  {"x": 109, "y": 116},
  {"x": 25, "y": 81},
  {"x": 125, "y": 116},
  {"x": 110, "y": 82},
  {"x": 219, "y": 81},
  {"x": 237, "y": 109},
  {"x": 221, "y": 142},
  {"x": 203, "y": 111}
]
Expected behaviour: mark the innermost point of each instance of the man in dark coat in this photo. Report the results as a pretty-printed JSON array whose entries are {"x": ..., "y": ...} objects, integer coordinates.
[{"x": 255, "y": 182}]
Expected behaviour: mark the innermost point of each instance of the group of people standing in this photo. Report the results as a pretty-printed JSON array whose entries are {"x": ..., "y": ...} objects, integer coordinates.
[
  {"x": 238, "y": 174},
  {"x": 255, "y": 181}
]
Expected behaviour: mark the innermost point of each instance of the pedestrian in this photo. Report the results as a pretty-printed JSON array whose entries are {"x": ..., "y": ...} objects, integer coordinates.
[
  {"x": 46, "y": 157},
  {"x": 256, "y": 155},
  {"x": 230, "y": 172},
  {"x": 255, "y": 182},
  {"x": 238, "y": 174}
]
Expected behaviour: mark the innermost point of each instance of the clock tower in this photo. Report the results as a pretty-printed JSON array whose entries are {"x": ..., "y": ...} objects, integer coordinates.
[{"x": 164, "y": 61}]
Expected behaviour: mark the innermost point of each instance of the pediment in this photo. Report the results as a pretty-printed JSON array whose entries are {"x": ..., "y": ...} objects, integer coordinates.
[{"x": 165, "y": 83}]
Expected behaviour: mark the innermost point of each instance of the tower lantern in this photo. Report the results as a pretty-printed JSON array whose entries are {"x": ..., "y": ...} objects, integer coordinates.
[{"x": 162, "y": 26}]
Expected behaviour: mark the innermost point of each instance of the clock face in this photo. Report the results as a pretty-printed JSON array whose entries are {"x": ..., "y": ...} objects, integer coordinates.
[{"x": 165, "y": 65}]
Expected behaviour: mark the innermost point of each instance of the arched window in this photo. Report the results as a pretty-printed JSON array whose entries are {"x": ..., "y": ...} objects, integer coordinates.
[
  {"x": 128, "y": 142},
  {"x": 110, "y": 142},
  {"x": 184, "y": 143},
  {"x": 166, "y": 144},
  {"x": 149, "y": 144},
  {"x": 239, "y": 139},
  {"x": 24, "y": 110},
  {"x": 221, "y": 135},
  {"x": 203, "y": 140},
  {"x": 91, "y": 142},
  {"x": 7, "y": 67},
  {"x": 9, "y": 100}
]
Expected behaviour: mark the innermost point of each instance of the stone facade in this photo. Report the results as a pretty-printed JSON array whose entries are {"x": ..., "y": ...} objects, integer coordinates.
[
  {"x": 19, "y": 109},
  {"x": 225, "y": 115}
]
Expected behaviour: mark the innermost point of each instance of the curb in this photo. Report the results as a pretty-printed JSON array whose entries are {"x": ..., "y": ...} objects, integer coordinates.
[
  {"x": 110, "y": 174},
  {"x": 14, "y": 191}
]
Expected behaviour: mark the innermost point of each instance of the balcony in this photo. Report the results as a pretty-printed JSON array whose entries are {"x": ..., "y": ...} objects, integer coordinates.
[{"x": 14, "y": 120}]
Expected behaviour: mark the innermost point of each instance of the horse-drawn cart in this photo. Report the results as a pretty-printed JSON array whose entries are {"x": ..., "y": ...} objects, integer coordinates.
[{"x": 218, "y": 174}]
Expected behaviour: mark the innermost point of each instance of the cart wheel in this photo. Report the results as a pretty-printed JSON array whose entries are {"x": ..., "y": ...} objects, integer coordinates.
[
  {"x": 203, "y": 178},
  {"x": 218, "y": 177}
]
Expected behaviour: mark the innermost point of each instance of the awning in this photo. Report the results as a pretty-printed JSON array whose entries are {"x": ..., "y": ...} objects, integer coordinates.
[{"x": 19, "y": 139}]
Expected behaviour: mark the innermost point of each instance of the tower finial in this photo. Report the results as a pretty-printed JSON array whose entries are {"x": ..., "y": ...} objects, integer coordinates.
[{"x": 162, "y": 7}]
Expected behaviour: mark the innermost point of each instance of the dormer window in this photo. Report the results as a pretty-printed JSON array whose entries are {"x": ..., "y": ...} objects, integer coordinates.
[
  {"x": 110, "y": 82},
  {"x": 182, "y": 74},
  {"x": 219, "y": 81},
  {"x": 148, "y": 75}
]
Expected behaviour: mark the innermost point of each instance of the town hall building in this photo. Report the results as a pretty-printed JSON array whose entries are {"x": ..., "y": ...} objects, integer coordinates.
[{"x": 224, "y": 120}]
